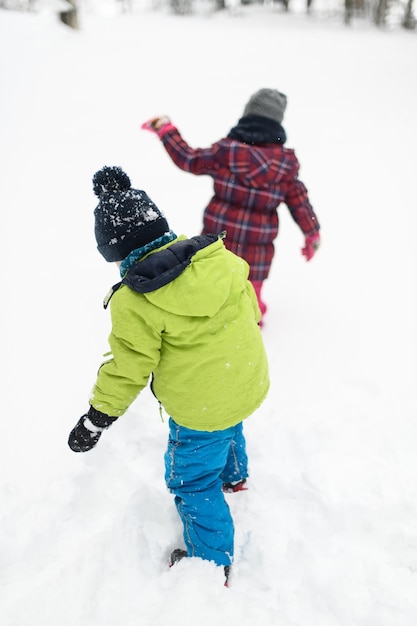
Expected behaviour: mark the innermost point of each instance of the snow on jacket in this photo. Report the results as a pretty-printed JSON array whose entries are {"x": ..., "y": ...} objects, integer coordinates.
[
  {"x": 187, "y": 315},
  {"x": 250, "y": 182}
]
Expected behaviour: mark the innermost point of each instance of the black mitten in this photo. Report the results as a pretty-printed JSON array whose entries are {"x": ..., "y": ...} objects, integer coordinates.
[{"x": 88, "y": 429}]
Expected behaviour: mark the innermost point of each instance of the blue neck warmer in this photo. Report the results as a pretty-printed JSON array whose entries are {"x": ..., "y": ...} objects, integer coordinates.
[{"x": 137, "y": 254}]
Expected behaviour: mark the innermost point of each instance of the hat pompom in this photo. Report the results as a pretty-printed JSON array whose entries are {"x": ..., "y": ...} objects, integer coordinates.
[{"x": 110, "y": 179}]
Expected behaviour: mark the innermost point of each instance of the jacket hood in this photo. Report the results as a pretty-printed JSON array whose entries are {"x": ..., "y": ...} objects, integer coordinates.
[
  {"x": 174, "y": 278},
  {"x": 253, "y": 166}
]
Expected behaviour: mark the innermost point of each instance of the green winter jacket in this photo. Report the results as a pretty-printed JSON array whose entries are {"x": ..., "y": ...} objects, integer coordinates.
[{"x": 197, "y": 335}]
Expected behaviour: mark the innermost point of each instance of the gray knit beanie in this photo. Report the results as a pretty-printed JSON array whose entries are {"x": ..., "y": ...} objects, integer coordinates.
[
  {"x": 267, "y": 103},
  {"x": 125, "y": 218}
]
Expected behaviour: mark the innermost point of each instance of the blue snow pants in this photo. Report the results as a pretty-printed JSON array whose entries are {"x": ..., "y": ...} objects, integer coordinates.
[{"x": 197, "y": 463}]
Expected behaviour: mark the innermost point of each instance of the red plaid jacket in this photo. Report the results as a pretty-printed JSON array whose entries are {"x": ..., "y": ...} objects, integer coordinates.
[{"x": 250, "y": 182}]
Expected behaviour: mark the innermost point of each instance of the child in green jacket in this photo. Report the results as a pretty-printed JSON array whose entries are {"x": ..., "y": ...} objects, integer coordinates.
[{"x": 185, "y": 316}]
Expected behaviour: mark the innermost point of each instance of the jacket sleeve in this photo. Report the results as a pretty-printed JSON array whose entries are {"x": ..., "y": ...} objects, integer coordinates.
[
  {"x": 297, "y": 201},
  {"x": 194, "y": 160},
  {"x": 135, "y": 352},
  {"x": 254, "y": 300}
]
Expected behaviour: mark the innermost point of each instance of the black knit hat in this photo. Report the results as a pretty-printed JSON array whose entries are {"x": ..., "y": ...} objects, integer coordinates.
[
  {"x": 125, "y": 218},
  {"x": 267, "y": 103}
]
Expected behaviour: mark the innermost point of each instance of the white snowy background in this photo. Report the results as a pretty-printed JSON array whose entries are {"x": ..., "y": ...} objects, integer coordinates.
[{"x": 326, "y": 535}]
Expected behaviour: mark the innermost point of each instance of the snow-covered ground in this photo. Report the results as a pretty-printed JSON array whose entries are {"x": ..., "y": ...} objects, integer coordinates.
[{"x": 327, "y": 533}]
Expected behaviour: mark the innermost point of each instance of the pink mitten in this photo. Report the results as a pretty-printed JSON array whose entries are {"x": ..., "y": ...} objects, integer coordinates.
[
  {"x": 311, "y": 246},
  {"x": 158, "y": 125}
]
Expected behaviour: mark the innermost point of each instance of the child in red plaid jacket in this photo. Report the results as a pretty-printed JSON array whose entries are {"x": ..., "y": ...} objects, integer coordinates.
[{"x": 253, "y": 173}]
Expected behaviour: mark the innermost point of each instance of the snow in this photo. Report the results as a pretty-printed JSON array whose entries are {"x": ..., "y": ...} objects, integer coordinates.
[{"x": 326, "y": 535}]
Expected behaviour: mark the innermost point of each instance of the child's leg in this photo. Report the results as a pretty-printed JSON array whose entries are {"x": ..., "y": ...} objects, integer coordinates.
[
  {"x": 257, "y": 285},
  {"x": 194, "y": 461},
  {"x": 236, "y": 467}
]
